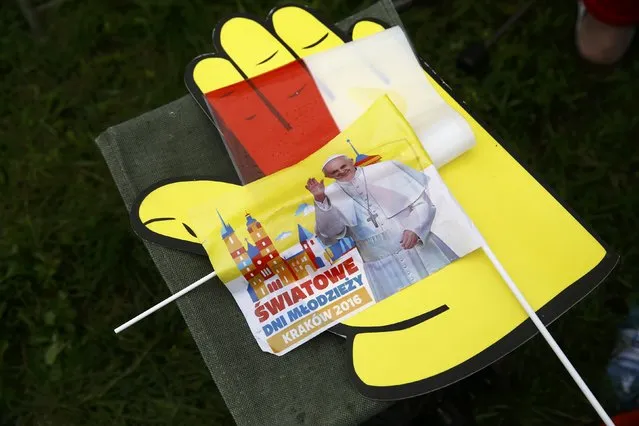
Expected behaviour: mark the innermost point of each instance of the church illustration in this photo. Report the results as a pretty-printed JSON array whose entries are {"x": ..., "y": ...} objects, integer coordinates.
[{"x": 268, "y": 270}]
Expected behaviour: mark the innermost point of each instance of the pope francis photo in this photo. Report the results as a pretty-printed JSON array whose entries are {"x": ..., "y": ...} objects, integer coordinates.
[{"x": 385, "y": 209}]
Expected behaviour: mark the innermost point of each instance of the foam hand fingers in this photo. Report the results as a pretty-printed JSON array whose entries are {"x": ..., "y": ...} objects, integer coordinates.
[
  {"x": 251, "y": 46},
  {"x": 211, "y": 73},
  {"x": 365, "y": 28},
  {"x": 304, "y": 33}
]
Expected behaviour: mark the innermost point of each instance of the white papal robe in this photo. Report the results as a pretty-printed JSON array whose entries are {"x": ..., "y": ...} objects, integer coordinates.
[{"x": 398, "y": 201}]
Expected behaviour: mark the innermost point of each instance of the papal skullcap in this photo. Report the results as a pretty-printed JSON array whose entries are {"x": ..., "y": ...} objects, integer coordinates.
[{"x": 331, "y": 158}]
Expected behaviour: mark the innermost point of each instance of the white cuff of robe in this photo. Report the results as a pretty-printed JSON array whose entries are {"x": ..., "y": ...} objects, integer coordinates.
[{"x": 324, "y": 205}]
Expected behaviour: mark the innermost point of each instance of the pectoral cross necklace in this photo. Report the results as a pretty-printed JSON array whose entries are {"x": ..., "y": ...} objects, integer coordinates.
[{"x": 371, "y": 216}]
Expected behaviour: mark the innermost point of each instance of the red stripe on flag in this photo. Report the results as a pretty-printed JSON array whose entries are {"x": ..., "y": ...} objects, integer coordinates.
[{"x": 279, "y": 117}]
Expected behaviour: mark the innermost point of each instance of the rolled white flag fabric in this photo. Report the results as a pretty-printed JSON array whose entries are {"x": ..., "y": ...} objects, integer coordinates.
[{"x": 352, "y": 76}]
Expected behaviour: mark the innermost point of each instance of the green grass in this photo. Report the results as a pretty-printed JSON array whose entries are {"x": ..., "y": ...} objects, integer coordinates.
[{"x": 71, "y": 269}]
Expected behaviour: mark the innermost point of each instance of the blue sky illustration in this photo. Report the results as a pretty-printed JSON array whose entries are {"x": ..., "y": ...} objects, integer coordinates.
[{"x": 304, "y": 210}]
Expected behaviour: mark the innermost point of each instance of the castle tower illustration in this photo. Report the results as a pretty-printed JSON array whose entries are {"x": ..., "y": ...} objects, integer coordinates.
[
  {"x": 234, "y": 246},
  {"x": 267, "y": 259},
  {"x": 262, "y": 265},
  {"x": 308, "y": 256},
  {"x": 363, "y": 159},
  {"x": 243, "y": 261},
  {"x": 312, "y": 246}
]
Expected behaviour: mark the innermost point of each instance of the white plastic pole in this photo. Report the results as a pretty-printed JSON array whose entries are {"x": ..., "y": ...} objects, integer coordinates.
[
  {"x": 546, "y": 334},
  {"x": 165, "y": 302}
]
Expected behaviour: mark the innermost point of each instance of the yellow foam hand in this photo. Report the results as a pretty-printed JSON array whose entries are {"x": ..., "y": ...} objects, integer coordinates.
[{"x": 404, "y": 345}]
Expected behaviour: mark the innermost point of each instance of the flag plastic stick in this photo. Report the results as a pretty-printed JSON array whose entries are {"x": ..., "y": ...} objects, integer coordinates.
[
  {"x": 165, "y": 302},
  {"x": 549, "y": 339}
]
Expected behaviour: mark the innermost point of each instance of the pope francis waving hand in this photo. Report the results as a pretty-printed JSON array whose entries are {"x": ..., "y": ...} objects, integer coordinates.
[{"x": 386, "y": 210}]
